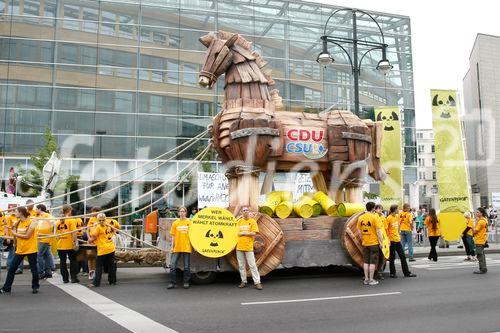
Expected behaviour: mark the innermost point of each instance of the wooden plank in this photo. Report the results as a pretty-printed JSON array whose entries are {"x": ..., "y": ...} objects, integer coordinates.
[
  {"x": 293, "y": 235},
  {"x": 245, "y": 76},
  {"x": 338, "y": 149},
  {"x": 318, "y": 253},
  {"x": 245, "y": 92},
  {"x": 339, "y": 156},
  {"x": 249, "y": 69},
  {"x": 238, "y": 58},
  {"x": 255, "y": 90},
  {"x": 319, "y": 182},
  {"x": 289, "y": 224},
  {"x": 244, "y": 52},
  {"x": 257, "y": 71},
  {"x": 319, "y": 223}
]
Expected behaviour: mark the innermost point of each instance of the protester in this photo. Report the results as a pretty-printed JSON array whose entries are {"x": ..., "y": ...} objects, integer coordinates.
[
  {"x": 247, "y": 229},
  {"x": 66, "y": 244},
  {"x": 433, "y": 232},
  {"x": 419, "y": 225},
  {"x": 406, "y": 228},
  {"x": 392, "y": 228},
  {"x": 180, "y": 245},
  {"x": 91, "y": 253},
  {"x": 24, "y": 231},
  {"x": 30, "y": 205},
  {"x": 370, "y": 231},
  {"x": 468, "y": 238},
  {"x": 480, "y": 238},
  {"x": 11, "y": 220},
  {"x": 103, "y": 237},
  {"x": 44, "y": 227},
  {"x": 3, "y": 230},
  {"x": 381, "y": 259},
  {"x": 193, "y": 213},
  {"x": 81, "y": 260}
]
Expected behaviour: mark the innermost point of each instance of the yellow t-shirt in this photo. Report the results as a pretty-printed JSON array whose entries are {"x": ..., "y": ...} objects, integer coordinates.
[
  {"x": 104, "y": 239},
  {"x": 11, "y": 220},
  {"x": 114, "y": 223},
  {"x": 33, "y": 213},
  {"x": 180, "y": 231},
  {"x": 431, "y": 232},
  {"x": 26, "y": 246},
  {"x": 65, "y": 242},
  {"x": 2, "y": 225},
  {"x": 481, "y": 231},
  {"x": 45, "y": 227},
  {"x": 392, "y": 223},
  {"x": 79, "y": 225},
  {"x": 245, "y": 243},
  {"x": 405, "y": 221},
  {"x": 368, "y": 223},
  {"x": 470, "y": 224}
]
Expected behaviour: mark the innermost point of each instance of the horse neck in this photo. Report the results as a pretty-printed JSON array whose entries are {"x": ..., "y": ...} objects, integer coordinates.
[{"x": 246, "y": 81}]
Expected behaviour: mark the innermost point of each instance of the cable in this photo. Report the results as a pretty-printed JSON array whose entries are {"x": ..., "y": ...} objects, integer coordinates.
[
  {"x": 197, "y": 137},
  {"x": 130, "y": 181}
]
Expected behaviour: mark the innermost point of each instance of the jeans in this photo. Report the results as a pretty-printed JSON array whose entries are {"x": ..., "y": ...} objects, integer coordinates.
[
  {"x": 397, "y": 248},
  {"x": 433, "y": 254},
  {"x": 469, "y": 245},
  {"x": 107, "y": 260},
  {"x": 249, "y": 257},
  {"x": 18, "y": 258},
  {"x": 73, "y": 265},
  {"x": 45, "y": 259},
  {"x": 407, "y": 239},
  {"x": 481, "y": 258},
  {"x": 173, "y": 266},
  {"x": 10, "y": 258}
]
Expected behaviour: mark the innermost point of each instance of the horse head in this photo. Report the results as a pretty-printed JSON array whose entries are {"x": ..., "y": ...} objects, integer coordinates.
[{"x": 218, "y": 58}]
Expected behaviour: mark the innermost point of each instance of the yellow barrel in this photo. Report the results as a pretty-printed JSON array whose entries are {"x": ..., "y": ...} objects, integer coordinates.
[
  {"x": 286, "y": 195},
  {"x": 346, "y": 209},
  {"x": 315, "y": 205},
  {"x": 284, "y": 209},
  {"x": 326, "y": 203},
  {"x": 273, "y": 199},
  {"x": 303, "y": 208}
]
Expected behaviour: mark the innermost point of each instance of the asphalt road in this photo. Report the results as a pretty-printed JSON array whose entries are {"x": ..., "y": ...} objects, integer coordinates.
[{"x": 445, "y": 297}]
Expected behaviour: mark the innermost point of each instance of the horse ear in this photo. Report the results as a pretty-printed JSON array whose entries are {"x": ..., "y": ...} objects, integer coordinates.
[
  {"x": 232, "y": 40},
  {"x": 207, "y": 39}
]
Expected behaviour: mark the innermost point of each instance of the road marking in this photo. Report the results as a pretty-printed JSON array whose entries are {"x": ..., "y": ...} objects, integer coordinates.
[
  {"x": 123, "y": 316},
  {"x": 321, "y": 298},
  {"x": 456, "y": 267}
]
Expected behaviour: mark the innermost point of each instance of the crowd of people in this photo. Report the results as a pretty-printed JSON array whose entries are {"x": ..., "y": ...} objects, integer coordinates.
[
  {"x": 399, "y": 226},
  {"x": 34, "y": 234}
]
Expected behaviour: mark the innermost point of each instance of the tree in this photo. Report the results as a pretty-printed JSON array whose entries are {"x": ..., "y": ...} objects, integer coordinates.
[{"x": 34, "y": 175}]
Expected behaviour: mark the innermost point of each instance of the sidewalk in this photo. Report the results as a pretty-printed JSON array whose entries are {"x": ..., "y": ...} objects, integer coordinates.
[{"x": 453, "y": 250}]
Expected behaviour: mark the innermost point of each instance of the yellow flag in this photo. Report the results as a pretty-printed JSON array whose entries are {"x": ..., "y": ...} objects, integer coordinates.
[
  {"x": 391, "y": 190},
  {"x": 450, "y": 163}
]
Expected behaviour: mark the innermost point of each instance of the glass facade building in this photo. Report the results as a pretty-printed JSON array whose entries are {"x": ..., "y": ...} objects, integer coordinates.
[{"x": 116, "y": 81}]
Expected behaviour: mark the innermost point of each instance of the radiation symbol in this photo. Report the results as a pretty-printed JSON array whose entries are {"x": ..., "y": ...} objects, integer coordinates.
[
  {"x": 387, "y": 117},
  {"x": 213, "y": 232},
  {"x": 444, "y": 105}
]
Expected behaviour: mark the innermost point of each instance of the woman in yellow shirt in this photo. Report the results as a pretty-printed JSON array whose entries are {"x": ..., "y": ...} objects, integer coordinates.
[
  {"x": 180, "y": 244},
  {"x": 468, "y": 238},
  {"x": 102, "y": 235},
  {"x": 66, "y": 245},
  {"x": 44, "y": 227},
  {"x": 434, "y": 232},
  {"x": 480, "y": 237},
  {"x": 26, "y": 246}
]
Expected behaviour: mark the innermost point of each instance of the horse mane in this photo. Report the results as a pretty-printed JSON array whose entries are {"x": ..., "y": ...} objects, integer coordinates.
[{"x": 240, "y": 41}]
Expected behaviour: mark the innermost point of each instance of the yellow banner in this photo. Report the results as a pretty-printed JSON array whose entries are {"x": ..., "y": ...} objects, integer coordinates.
[
  {"x": 451, "y": 170},
  {"x": 391, "y": 190}
]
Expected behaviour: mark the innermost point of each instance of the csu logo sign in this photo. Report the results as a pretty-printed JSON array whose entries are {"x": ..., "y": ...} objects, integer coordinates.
[{"x": 307, "y": 142}]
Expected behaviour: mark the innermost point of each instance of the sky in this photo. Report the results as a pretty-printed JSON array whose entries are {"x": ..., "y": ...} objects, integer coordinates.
[{"x": 443, "y": 34}]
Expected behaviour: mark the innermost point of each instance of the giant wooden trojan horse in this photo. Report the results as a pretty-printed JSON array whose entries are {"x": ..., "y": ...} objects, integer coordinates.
[{"x": 251, "y": 135}]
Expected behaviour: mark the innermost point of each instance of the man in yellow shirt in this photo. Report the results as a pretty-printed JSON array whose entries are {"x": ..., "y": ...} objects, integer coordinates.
[
  {"x": 102, "y": 235},
  {"x": 392, "y": 229},
  {"x": 406, "y": 229},
  {"x": 370, "y": 232},
  {"x": 247, "y": 229},
  {"x": 481, "y": 236},
  {"x": 44, "y": 227},
  {"x": 180, "y": 244},
  {"x": 10, "y": 221},
  {"x": 66, "y": 245}
]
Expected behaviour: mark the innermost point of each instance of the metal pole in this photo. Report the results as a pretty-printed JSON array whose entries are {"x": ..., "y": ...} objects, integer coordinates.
[{"x": 355, "y": 68}]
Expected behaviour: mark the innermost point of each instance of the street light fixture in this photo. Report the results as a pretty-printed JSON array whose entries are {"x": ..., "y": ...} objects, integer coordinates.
[{"x": 325, "y": 58}]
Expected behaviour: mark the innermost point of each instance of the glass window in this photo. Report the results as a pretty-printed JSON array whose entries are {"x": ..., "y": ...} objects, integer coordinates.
[
  {"x": 114, "y": 124},
  {"x": 71, "y": 15},
  {"x": 149, "y": 103},
  {"x": 115, "y": 147},
  {"x": 31, "y": 121},
  {"x": 410, "y": 156},
  {"x": 158, "y": 126},
  {"x": 73, "y": 123}
]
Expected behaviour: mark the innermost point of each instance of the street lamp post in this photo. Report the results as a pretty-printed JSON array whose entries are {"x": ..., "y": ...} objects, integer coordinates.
[
  {"x": 325, "y": 58},
  {"x": 100, "y": 133}
]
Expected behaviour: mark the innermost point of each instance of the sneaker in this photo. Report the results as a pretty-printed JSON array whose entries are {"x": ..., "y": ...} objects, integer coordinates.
[
  {"x": 91, "y": 285},
  {"x": 480, "y": 272},
  {"x": 75, "y": 281},
  {"x": 258, "y": 286},
  {"x": 242, "y": 285},
  {"x": 186, "y": 285},
  {"x": 171, "y": 286},
  {"x": 394, "y": 276},
  {"x": 91, "y": 275},
  {"x": 467, "y": 259},
  {"x": 112, "y": 283},
  {"x": 18, "y": 272},
  {"x": 411, "y": 275},
  {"x": 3, "y": 291},
  {"x": 366, "y": 282},
  {"x": 65, "y": 281},
  {"x": 48, "y": 276},
  {"x": 412, "y": 259},
  {"x": 34, "y": 291},
  {"x": 373, "y": 282}
]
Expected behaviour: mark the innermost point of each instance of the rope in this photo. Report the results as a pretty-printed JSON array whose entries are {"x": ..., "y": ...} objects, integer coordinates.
[
  {"x": 197, "y": 138},
  {"x": 140, "y": 240},
  {"x": 130, "y": 181},
  {"x": 199, "y": 156}
]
